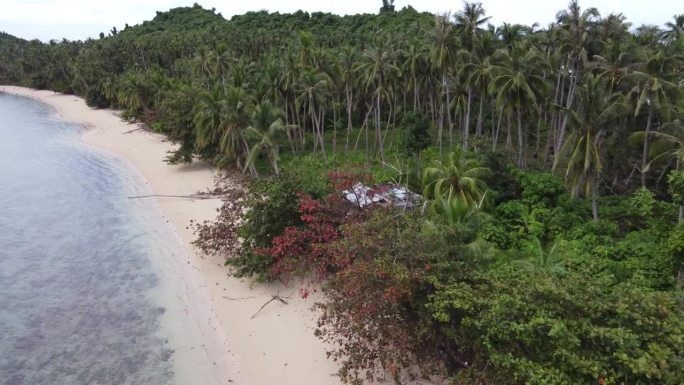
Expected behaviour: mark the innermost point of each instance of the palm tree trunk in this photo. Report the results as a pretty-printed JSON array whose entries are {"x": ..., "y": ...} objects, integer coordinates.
[
  {"x": 494, "y": 117},
  {"x": 378, "y": 129},
  {"x": 594, "y": 197},
  {"x": 290, "y": 138},
  {"x": 390, "y": 119},
  {"x": 364, "y": 126},
  {"x": 440, "y": 135},
  {"x": 334, "y": 141},
  {"x": 415, "y": 95},
  {"x": 495, "y": 140},
  {"x": 432, "y": 109},
  {"x": 644, "y": 155},
  {"x": 549, "y": 137},
  {"x": 314, "y": 129},
  {"x": 539, "y": 126},
  {"x": 403, "y": 105},
  {"x": 564, "y": 124},
  {"x": 448, "y": 109},
  {"x": 521, "y": 141},
  {"x": 349, "y": 96},
  {"x": 418, "y": 164},
  {"x": 287, "y": 112},
  {"x": 321, "y": 128},
  {"x": 509, "y": 139},
  {"x": 480, "y": 115},
  {"x": 558, "y": 87},
  {"x": 301, "y": 124},
  {"x": 466, "y": 123},
  {"x": 322, "y": 125}
]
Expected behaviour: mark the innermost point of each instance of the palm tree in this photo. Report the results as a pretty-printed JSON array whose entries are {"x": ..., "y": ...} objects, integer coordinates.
[
  {"x": 220, "y": 117},
  {"x": 267, "y": 123},
  {"x": 109, "y": 90},
  {"x": 654, "y": 88},
  {"x": 648, "y": 35},
  {"x": 415, "y": 60},
  {"x": 596, "y": 108},
  {"x": 613, "y": 28},
  {"x": 518, "y": 87},
  {"x": 666, "y": 146},
  {"x": 469, "y": 23},
  {"x": 542, "y": 260},
  {"x": 510, "y": 34},
  {"x": 313, "y": 92},
  {"x": 457, "y": 177},
  {"x": 443, "y": 56},
  {"x": 575, "y": 36},
  {"x": 576, "y": 33},
  {"x": 222, "y": 61},
  {"x": 347, "y": 61},
  {"x": 614, "y": 65},
  {"x": 452, "y": 210},
  {"x": 236, "y": 106},
  {"x": 290, "y": 76},
  {"x": 478, "y": 72},
  {"x": 129, "y": 93},
  {"x": 674, "y": 31},
  {"x": 377, "y": 69},
  {"x": 206, "y": 65},
  {"x": 208, "y": 118}
]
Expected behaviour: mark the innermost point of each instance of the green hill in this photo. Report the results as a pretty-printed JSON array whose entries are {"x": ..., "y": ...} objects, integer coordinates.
[{"x": 182, "y": 19}]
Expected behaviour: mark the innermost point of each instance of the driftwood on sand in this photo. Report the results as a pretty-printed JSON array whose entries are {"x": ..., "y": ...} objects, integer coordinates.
[
  {"x": 197, "y": 196},
  {"x": 276, "y": 297}
]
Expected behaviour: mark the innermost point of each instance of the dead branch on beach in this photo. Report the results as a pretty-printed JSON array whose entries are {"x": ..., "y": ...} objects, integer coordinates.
[
  {"x": 219, "y": 192},
  {"x": 276, "y": 297},
  {"x": 198, "y": 196},
  {"x": 134, "y": 130},
  {"x": 237, "y": 298}
]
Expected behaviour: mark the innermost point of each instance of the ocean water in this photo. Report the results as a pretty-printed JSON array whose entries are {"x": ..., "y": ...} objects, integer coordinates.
[{"x": 87, "y": 293}]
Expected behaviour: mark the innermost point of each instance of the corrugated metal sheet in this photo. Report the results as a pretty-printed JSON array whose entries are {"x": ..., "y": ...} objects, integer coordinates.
[{"x": 363, "y": 196}]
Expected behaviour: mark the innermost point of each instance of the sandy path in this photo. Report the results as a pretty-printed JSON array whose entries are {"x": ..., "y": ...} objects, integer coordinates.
[{"x": 277, "y": 346}]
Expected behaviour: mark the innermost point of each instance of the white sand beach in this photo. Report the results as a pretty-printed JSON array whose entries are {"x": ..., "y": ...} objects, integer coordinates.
[{"x": 275, "y": 347}]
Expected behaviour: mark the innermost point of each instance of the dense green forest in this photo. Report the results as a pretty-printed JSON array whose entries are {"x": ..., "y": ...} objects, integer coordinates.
[{"x": 549, "y": 239}]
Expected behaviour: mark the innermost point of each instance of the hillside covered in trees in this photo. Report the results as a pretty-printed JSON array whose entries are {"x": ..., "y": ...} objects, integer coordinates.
[{"x": 549, "y": 240}]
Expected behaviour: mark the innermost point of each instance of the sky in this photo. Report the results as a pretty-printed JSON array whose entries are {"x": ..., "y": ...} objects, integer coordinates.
[{"x": 80, "y": 19}]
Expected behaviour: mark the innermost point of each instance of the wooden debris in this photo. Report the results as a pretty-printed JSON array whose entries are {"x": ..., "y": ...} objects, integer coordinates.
[{"x": 276, "y": 297}]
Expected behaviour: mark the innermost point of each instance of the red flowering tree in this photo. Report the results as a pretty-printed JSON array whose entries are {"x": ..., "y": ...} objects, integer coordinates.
[
  {"x": 305, "y": 250},
  {"x": 372, "y": 313}
]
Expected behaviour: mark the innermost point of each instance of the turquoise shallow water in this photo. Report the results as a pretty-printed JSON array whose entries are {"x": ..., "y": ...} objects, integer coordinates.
[{"x": 77, "y": 281}]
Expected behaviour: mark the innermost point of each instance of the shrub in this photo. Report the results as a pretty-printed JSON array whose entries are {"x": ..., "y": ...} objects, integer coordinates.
[
  {"x": 374, "y": 313},
  {"x": 303, "y": 250},
  {"x": 645, "y": 254},
  {"x": 249, "y": 220},
  {"x": 310, "y": 173},
  {"x": 675, "y": 181},
  {"x": 220, "y": 237},
  {"x": 371, "y": 314},
  {"x": 560, "y": 329},
  {"x": 271, "y": 207},
  {"x": 540, "y": 188}
]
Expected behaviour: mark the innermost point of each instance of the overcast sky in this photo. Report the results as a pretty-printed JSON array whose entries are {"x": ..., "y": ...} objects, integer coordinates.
[{"x": 79, "y": 19}]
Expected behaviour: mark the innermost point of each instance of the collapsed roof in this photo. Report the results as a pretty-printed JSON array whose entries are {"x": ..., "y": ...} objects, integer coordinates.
[{"x": 385, "y": 194}]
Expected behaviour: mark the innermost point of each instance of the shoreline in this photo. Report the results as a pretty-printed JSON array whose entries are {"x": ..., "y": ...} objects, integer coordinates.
[{"x": 278, "y": 346}]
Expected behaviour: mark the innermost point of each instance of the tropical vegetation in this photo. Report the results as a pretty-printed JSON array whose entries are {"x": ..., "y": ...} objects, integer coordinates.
[{"x": 548, "y": 244}]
